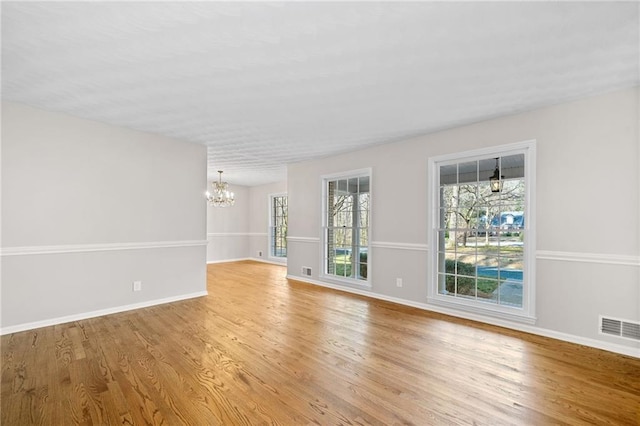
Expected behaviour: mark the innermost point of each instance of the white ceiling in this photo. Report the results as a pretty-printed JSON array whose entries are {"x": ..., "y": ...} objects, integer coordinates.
[{"x": 266, "y": 84}]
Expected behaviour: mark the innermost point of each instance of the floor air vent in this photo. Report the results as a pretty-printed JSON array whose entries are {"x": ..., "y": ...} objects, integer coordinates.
[{"x": 620, "y": 328}]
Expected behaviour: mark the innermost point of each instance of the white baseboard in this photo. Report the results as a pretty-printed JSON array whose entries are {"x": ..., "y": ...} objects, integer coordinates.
[
  {"x": 272, "y": 262},
  {"x": 255, "y": 259},
  {"x": 98, "y": 313},
  {"x": 598, "y": 344},
  {"x": 240, "y": 259}
]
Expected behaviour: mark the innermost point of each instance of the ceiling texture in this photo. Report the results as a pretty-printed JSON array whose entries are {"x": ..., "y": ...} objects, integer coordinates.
[{"x": 266, "y": 84}]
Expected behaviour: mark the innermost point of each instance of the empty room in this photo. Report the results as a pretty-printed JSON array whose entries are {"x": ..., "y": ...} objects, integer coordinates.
[{"x": 328, "y": 213}]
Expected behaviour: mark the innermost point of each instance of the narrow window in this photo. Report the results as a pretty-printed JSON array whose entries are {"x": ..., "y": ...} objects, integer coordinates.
[
  {"x": 346, "y": 226},
  {"x": 482, "y": 235},
  {"x": 278, "y": 226}
]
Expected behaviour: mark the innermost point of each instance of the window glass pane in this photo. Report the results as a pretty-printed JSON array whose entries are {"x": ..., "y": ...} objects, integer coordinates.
[
  {"x": 449, "y": 284},
  {"x": 331, "y": 244},
  {"x": 364, "y": 238},
  {"x": 512, "y": 166},
  {"x": 339, "y": 236},
  {"x": 511, "y": 269},
  {"x": 363, "y": 184},
  {"x": 353, "y": 185},
  {"x": 443, "y": 220},
  {"x": 509, "y": 291},
  {"x": 465, "y": 264},
  {"x": 341, "y": 268},
  {"x": 513, "y": 189},
  {"x": 450, "y": 255},
  {"x": 449, "y": 175},
  {"x": 468, "y": 172},
  {"x": 363, "y": 254},
  {"x": 465, "y": 286},
  {"x": 450, "y": 196},
  {"x": 347, "y": 202},
  {"x": 451, "y": 221},
  {"x": 486, "y": 169},
  {"x": 487, "y": 289},
  {"x": 364, "y": 210},
  {"x": 441, "y": 284},
  {"x": 363, "y": 218},
  {"x": 442, "y": 240},
  {"x": 467, "y": 201},
  {"x": 485, "y": 196},
  {"x": 337, "y": 201},
  {"x": 363, "y": 261}
]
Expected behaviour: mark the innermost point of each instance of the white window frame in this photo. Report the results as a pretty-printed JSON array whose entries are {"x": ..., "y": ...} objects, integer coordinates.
[
  {"x": 526, "y": 313},
  {"x": 270, "y": 233},
  {"x": 323, "y": 214}
]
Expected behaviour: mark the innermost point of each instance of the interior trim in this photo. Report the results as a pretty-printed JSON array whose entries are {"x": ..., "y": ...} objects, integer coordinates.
[
  {"x": 303, "y": 239},
  {"x": 609, "y": 259},
  {"x": 237, "y": 234},
  {"x": 85, "y": 248},
  {"x": 399, "y": 246},
  {"x": 242, "y": 259},
  {"x": 238, "y": 259},
  {"x": 602, "y": 258}
]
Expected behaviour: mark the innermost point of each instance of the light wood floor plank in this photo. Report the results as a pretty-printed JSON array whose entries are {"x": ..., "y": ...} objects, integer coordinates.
[{"x": 261, "y": 349}]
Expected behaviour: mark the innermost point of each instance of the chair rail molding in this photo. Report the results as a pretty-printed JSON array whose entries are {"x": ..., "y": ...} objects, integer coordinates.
[
  {"x": 602, "y": 258},
  {"x": 237, "y": 234},
  {"x": 399, "y": 246},
  {"x": 311, "y": 240},
  {"x": 84, "y": 248}
]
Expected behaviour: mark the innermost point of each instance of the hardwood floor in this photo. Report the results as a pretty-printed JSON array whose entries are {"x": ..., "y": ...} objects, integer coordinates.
[{"x": 261, "y": 349}]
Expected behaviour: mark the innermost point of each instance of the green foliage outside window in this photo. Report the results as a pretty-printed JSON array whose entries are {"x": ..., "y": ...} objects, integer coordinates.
[
  {"x": 466, "y": 280},
  {"x": 344, "y": 269}
]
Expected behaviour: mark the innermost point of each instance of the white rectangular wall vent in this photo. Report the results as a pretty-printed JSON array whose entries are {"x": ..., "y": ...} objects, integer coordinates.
[
  {"x": 306, "y": 271},
  {"x": 621, "y": 328}
]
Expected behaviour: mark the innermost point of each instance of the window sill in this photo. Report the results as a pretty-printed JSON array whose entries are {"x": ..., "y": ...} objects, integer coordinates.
[
  {"x": 492, "y": 311},
  {"x": 350, "y": 282}
]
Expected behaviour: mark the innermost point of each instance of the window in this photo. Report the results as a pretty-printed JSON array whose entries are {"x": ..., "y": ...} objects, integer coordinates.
[
  {"x": 278, "y": 226},
  {"x": 347, "y": 205},
  {"x": 482, "y": 231}
]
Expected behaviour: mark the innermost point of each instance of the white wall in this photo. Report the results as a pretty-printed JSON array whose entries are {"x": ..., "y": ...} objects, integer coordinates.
[
  {"x": 588, "y": 218},
  {"x": 241, "y": 231},
  {"x": 228, "y": 228},
  {"x": 89, "y": 208}
]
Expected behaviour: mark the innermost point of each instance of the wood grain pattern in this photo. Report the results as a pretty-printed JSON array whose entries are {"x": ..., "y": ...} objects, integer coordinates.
[{"x": 261, "y": 349}]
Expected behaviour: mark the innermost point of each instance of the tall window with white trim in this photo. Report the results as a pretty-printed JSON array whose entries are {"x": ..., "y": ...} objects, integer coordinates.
[
  {"x": 347, "y": 204},
  {"x": 278, "y": 226},
  {"x": 482, "y": 234}
]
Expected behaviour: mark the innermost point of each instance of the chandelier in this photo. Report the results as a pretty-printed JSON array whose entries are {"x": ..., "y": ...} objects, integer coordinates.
[{"x": 221, "y": 196}]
